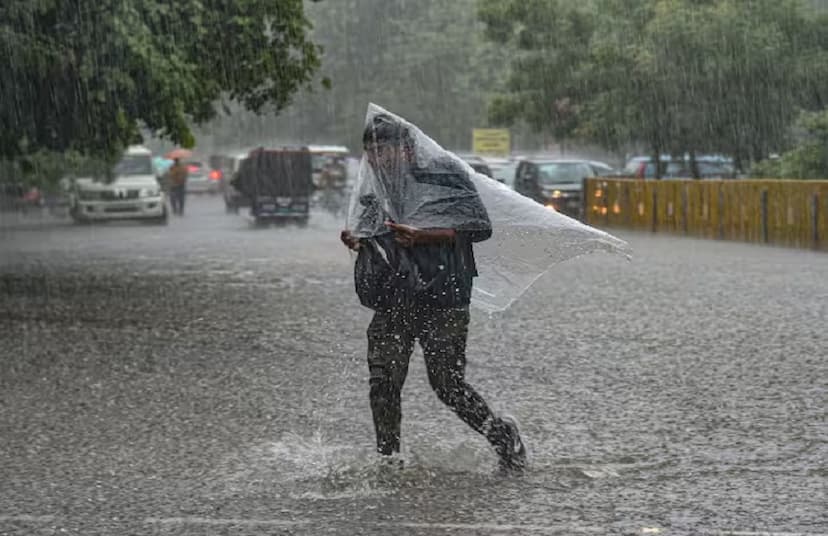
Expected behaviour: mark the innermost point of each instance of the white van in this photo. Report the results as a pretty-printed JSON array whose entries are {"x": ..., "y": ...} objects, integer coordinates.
[{"x": 133, "y": 194}]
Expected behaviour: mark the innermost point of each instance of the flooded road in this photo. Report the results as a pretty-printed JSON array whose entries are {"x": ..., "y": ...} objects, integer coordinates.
[{"x": 209, "y": 377}]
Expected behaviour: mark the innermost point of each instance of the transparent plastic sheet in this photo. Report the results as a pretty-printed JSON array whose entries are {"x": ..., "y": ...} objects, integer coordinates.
[{"x": 412, "y": 180}]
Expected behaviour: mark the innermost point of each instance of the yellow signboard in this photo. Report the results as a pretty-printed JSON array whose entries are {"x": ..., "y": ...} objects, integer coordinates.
[{"x": 493, "y": 141}]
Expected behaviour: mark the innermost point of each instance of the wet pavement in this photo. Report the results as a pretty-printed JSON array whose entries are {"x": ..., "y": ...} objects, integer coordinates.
[{"x": 208, "y": 378}]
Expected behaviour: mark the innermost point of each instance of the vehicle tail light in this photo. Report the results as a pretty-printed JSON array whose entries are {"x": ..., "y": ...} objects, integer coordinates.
[
  {"x": 215, "y": 175},
  {"x": 192, "y": 169}
]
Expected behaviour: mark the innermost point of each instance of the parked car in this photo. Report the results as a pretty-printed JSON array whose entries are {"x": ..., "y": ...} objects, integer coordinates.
[
  {"x": 710, "y": 167},
  {"x": 506, "y": 174},
  {"x": 217, "y": 164},
  {"x": 199, "y": 179},
  {"x": 477, "y": 163},
  {"x": 556, "y": 184},
  {"x": 133, "y": 193},
  {"x": 600, "y": 169},
  {"x": 501, "y": 167},
  {"x": 480, "y": 167},
  {"x": 496, "y": 162},
  {"x": 228, "y": 166}
]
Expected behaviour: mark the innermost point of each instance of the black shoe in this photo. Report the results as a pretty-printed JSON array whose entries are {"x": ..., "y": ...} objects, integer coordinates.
[{"x": 512, "y": 452}]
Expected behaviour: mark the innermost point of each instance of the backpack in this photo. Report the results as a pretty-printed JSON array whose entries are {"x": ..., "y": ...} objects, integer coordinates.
[{"x": 385, "y": 279}]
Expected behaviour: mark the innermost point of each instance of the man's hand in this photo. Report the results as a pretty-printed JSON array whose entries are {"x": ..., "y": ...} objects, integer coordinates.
[
  {"x": 350, "y": 241},
  {"x": 408, "y": 235},
  {"x": 405, "y": 235}
]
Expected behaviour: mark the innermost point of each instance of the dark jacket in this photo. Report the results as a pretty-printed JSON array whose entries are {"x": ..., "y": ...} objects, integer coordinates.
[
  {"x": 388, "y": 275},
  {"x": 440, "y": 276}
]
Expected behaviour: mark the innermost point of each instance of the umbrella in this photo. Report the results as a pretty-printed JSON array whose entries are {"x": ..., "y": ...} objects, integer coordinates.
[
  {"x": 181, "y": 154},
  {"x": 162, "y": 164}
]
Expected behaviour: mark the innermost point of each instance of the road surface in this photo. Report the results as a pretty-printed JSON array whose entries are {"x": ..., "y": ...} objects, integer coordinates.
[{"x": 209, "y": 378}]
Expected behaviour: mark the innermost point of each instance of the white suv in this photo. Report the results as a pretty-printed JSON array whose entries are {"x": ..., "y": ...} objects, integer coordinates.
[{"x": 135, "y": 192}]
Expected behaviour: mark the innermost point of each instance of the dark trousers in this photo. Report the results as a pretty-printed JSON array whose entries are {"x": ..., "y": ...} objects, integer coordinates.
[
  {"x": 442, "y": 335},
  {"x": 177, "y": 195}
]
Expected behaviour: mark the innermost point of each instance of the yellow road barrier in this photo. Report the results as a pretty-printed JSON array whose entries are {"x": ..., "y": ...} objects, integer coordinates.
[{"x": 781, "y": 212}]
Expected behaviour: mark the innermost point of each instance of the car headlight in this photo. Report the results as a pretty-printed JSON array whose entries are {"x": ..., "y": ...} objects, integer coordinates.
[
  {"x": 557, "y": 194},
  {"x": 150, "y": 192}
]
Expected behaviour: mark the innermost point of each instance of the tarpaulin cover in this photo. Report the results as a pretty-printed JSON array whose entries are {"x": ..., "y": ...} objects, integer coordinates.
[
  {"x": 275, "y": 173},
  {"x": 409, "y": 179}
]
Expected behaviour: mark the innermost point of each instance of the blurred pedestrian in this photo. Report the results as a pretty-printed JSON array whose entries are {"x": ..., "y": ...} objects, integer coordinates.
[
  {"x": 178, "y": 174},
  {"x": 418, "y": 281}
]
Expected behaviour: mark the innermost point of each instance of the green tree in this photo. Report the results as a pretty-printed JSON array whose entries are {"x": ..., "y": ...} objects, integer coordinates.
[
  {"x": 552, "y": 38},
  {"x": 679, "y": 76},
  {"x": 427, "y": 60},
  {"x": 88, "y": 76},
  {"x": 808, "y": 159}
]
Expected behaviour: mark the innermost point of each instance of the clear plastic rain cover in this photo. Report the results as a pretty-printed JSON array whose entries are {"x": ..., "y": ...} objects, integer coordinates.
[{"x": 407, "y": 178}]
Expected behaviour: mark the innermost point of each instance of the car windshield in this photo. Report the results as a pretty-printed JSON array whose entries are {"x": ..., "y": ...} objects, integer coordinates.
[
  {"x": 562, "y": 172},
  {"x": 134, "y": 164}
]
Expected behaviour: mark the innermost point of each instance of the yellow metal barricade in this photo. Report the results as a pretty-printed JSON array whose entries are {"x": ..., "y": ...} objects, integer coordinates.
[{"x": 782, "y": 212}]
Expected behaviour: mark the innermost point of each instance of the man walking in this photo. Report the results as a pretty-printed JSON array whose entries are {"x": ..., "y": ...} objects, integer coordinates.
[
  {"x": 418, "y": 280},
  {"x": 178, "y": 175}
]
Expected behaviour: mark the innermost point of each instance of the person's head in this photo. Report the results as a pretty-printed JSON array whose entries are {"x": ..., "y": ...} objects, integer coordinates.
[
  {"x": 386, "y": 142},
  {"x": 177, "y": 161}
]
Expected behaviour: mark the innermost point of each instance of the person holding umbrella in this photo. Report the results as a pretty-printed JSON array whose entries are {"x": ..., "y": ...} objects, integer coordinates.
[{"x": 178, "y": 174}]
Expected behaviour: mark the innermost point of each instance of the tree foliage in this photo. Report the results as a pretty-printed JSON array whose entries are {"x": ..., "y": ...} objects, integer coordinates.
[
  {"x": 808, "y": 159},
  {"x": 427, "y": 60},
  {"x": 87, "y": 76},
  {"x": 680, "y": 76}
]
